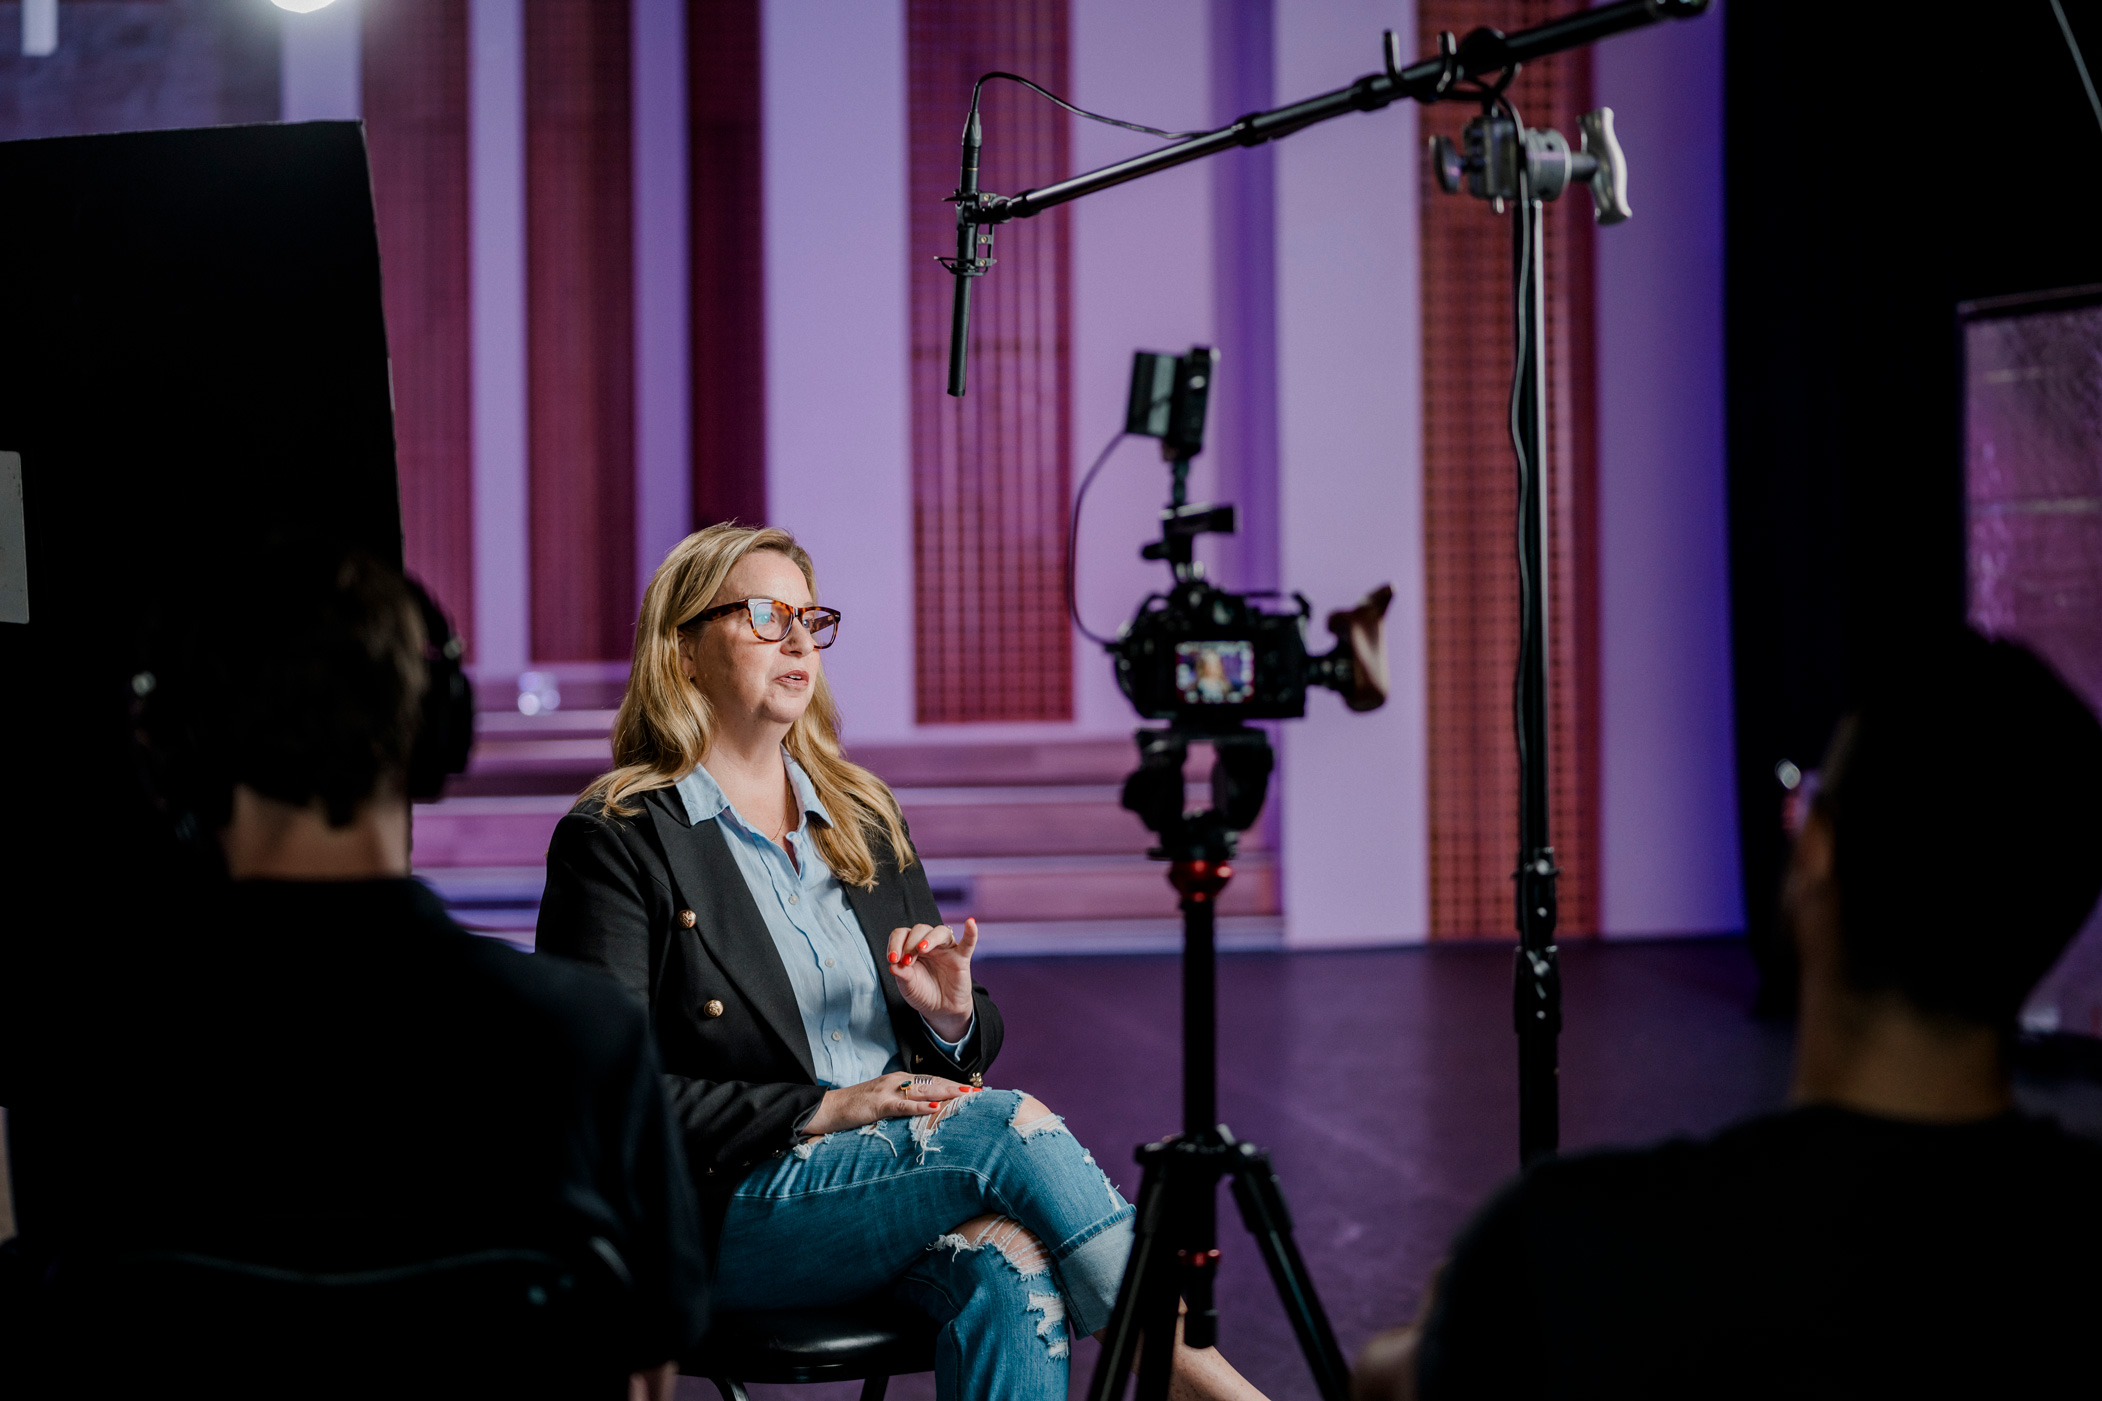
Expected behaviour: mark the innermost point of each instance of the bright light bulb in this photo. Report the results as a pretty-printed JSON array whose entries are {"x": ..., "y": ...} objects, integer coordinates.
[{"x": 302, "y": 7}]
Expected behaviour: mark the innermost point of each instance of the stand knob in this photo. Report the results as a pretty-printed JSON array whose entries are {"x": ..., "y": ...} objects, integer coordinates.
[
  {"x": 1609, "y": 184},
  {"x": 1446, "y": 164}
]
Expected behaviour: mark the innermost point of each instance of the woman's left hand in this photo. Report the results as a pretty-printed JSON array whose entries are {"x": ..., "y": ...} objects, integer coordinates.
[{"x": 933, "y": 969}]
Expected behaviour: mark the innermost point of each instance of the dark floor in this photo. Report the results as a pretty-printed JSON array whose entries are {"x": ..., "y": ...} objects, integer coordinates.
[{"x": 1385, "y": 1086}]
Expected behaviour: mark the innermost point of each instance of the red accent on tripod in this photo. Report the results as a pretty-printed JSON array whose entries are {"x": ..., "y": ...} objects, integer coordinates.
[{"x": 1200, "y": 882}]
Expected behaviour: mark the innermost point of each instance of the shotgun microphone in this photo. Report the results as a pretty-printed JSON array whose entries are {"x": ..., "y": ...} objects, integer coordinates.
[{"x": 966, "y": 264}]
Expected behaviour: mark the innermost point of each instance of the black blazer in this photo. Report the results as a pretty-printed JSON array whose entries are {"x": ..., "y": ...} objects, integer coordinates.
[{"x": 662, "y": 907}]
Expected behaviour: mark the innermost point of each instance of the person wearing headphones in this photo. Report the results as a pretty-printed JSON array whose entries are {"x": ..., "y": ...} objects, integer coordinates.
[{"x": 308, "y": 1078}]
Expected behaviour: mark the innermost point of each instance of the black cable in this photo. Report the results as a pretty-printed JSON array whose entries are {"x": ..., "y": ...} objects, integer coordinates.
[
  {"x": 2065, "y": 27},
  {"x": 1073, "y": 540},
  {"x": 1076, "y": 111},
  {"x": 1527, "y": 473}
]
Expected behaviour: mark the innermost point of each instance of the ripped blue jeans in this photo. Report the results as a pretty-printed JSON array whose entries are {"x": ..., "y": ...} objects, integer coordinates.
[{"x": 872, "y": 1209}]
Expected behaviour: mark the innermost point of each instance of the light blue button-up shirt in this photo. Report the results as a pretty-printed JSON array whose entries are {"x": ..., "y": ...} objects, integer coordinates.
[{"x": 819, "y": 939}]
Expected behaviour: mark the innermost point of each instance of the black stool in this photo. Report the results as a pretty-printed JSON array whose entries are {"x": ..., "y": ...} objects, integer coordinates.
[
  {"x": 520, "y": 1323},
  {"x": 869, "y": 1342}
]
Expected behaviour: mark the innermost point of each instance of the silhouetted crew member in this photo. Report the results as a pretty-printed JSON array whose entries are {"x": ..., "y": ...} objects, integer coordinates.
[
  {"x": 1902, "y": 1231},
  {"x": 312, "y": 1069}
]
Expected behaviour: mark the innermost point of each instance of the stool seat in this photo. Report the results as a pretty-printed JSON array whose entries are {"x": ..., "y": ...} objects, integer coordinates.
[{"x": 876, "y": 1337}]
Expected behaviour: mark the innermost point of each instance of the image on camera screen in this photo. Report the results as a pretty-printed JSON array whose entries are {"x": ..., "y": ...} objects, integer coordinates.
[{"x": 1215, "y": 673}]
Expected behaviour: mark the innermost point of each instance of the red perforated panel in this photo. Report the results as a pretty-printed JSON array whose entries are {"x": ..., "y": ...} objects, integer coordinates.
[
  {"x": 2033, "y": 478},
  {"x": 415, "y": 97},
  {"x": 1470, "y": 514},
  {"x": 989, "y": 472},
  {"x": 728, "y": 262},
  {"x": 580, "y": 322}
]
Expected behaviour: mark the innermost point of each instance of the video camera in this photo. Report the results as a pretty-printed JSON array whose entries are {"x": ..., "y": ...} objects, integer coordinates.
[{"x": 1199, "y": 656}]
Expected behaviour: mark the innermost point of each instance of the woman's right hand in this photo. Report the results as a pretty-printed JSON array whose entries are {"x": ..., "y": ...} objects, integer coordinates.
[{"x": 893, "y": 1096}]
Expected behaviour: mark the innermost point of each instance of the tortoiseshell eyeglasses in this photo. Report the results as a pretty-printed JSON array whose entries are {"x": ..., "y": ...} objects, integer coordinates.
[{"x": 771, "y": 620}]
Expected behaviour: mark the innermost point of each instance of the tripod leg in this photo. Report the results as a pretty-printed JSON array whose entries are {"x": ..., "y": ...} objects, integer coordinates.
[
  {"x": 1262, "y": 1204},
  {"x": 1151, "y": 1252},
  {"x": 1159, "y": 1306}
]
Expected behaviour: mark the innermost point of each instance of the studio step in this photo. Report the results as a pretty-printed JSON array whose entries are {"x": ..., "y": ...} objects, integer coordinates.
[
  {"x": 1026, "y": 823},
  {"x": 1046, "y": 904},
  {"x": 1030, "y": 838}
]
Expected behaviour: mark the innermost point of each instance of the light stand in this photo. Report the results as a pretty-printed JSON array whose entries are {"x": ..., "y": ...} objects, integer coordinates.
[
  {"x": 1504, "y": 162},
  {"x": 1536, "y": 994}
]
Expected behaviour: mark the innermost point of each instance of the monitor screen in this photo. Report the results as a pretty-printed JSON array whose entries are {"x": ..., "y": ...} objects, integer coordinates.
[{"x": 1220, "y": 672}]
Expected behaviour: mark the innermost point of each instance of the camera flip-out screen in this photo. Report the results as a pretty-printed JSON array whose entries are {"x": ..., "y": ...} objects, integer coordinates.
[{"x": 1218, "y": 672}]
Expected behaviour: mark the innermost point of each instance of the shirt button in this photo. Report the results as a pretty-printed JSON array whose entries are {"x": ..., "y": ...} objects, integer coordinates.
[
  {"x": 835, "y": 1036},
  {"x": 791, "y": 899},
  {"x": 828, "y": 963}
]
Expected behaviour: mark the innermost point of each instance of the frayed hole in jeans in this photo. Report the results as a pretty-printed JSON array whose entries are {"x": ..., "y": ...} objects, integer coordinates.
[
  {"x": 1026, "y": 1256},
  {"x": 924, "y": 1126},
  {"x": 1032, "y": 1117},
  {"x": 1017, "y": 1244},
  {"x": 1052, "y": 1326}
]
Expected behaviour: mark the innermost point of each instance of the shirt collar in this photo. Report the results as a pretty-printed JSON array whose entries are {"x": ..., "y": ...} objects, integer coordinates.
[{"x": 703, "y": 796}]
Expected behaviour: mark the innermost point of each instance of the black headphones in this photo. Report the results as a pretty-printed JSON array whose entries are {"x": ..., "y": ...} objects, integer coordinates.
[
  {"x": 445, "y": 735},
  {"x": 165, "y": 743}
]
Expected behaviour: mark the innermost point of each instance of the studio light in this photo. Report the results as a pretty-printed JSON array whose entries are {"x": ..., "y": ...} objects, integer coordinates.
[
  {"x": 302, "y": 7},
  {"x": 39, "y": 28}
]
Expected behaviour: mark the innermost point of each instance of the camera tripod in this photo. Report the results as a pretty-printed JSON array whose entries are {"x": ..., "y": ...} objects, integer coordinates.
[{"x": 1175, "y": 1254}]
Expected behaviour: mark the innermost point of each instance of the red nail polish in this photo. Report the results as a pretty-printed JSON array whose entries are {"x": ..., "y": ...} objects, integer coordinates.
[
  {"x": 924, "y": 946},
  {"x": 894, "y": 956}
]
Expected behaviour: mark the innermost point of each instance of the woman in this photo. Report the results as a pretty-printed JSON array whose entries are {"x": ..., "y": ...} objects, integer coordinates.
[{"x": 824, "y": 1044}]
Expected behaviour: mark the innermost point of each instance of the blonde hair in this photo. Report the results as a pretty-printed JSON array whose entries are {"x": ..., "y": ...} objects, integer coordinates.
[{"x": 665, "y": 722}]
